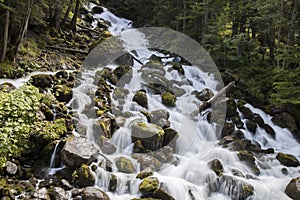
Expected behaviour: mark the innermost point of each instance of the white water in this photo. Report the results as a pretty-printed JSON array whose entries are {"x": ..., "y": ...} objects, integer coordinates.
[
  {"x": 52, "y": 168},
  {"x": 197, "y": 144}
]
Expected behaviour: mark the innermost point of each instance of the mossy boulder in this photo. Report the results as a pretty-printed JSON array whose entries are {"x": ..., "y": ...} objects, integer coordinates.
[
  {"x": 217, "y": 166},
  {"x": 125, "y": 165},
  {"x": 148, "y": 186},
  {"x": 149, "y": 134},
  {"x": 83, "y": 176},
  {"x": 293, "y": 188},
  {"x": 168, "y": 99},
  {"x": 145, "y": 173},
  {"x": 63, "y": 93},
  {"x": 42, "y": 80},
  {"x": 141, "y": 98},
  {"x": 287, "y": 160}
]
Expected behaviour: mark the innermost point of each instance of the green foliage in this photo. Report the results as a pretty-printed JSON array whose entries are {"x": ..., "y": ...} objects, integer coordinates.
[
  {"x": 53, "y": 130},
  {"x": 30, "y": 48},
  {"x": 286, "y": 84},
  {"x": 18, "y": 115}
]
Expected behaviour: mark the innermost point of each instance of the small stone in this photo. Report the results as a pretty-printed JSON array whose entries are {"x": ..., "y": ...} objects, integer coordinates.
[
  {"x": 11, "y": 168},
  {"x": 168, "y": 99}
]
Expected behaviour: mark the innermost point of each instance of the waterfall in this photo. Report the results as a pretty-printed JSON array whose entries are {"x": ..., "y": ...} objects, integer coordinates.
[
  {"x": 198, "y": 140},
  {"x": 52, "y": 167}
]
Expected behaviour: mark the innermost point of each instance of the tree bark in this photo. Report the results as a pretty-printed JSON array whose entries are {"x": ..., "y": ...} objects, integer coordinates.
[
  {"x": 63, "y": 23},
  {"x": 74, "y": 18},
  {"x": 24, "y": 27},
  {"x": 5, "y": 36}
]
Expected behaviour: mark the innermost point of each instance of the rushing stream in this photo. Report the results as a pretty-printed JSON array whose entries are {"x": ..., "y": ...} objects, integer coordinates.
[{"x": 197, "y": 143}]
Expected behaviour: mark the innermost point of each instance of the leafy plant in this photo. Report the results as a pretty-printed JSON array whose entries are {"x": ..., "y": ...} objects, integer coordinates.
[{"x": 18, "y": 115}]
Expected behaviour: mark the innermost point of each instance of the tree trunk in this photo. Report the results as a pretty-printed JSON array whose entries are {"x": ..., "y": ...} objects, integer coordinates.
[
  {"x": 63, "y": 23},
  {"x": 74, "y": 18},
  {"x": 291, "y": 33},
  {"x": 24, "y": 27},
  {"x": 5, "y": 36}
]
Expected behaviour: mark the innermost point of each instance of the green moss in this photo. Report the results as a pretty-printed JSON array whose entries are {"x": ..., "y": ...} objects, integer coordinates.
[
  {"x": 149, "y": 185},
  {"x": 168, "y": 99},
  {"x": 30, "y": 48}
]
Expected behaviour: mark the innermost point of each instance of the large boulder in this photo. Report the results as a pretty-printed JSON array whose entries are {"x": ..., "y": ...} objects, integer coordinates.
[
  {"x": 93, "y": 193},
  {"x": 233, "y": 187},
  {"x": 287, "y": 160},
  {"x": 125, "y": 165},
  {"x": 149, "y": 134},
  {"x": 293, "y": 188},
  {"x": 78, "y": 151}
]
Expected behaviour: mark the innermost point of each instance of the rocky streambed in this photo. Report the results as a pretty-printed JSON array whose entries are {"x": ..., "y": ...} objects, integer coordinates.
[{"x": 129, "y": 134}]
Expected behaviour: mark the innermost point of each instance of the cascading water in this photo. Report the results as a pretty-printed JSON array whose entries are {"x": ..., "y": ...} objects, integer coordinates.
[{"x": 190, "y": 178}]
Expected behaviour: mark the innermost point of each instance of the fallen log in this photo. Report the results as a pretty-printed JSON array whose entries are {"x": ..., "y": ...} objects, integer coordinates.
[
  {"x": 67, "y": 49},
  {"x": 205, "y": 105}
]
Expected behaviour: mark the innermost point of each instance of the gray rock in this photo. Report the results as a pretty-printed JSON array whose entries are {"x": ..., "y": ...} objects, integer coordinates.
[
  {"x": 235, "y": 188},
  {"x": 78, "y": 151},
  {"x": 93, "y": 193},
  {"x": 58, "y": 193},
  {"x": 42, "y": 193},
  {"x": 156, "y": 115},
  {"x": 11, "y": 168}
]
